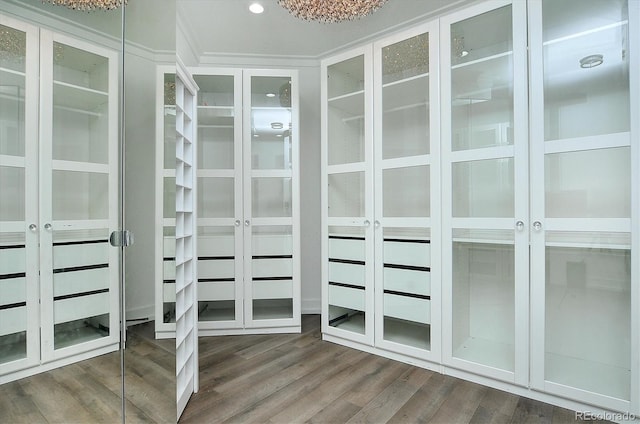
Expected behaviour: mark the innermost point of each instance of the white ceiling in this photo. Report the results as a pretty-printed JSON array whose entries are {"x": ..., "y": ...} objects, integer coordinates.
[{"x": 227, "y": 26}]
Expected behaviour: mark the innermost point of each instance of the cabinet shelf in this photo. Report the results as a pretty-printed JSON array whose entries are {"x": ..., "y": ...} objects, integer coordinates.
[
  {"x": 12, "y": 78},
  {"x": 352, "y": 103},
  {"x": 77, "y": 97},
  {"x": 215, "y": 115},
  {"x": 405, "y": 94},
  {"x": 481, "y": 79}
]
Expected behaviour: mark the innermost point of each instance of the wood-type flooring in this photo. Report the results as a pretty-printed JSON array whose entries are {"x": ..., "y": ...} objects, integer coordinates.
[{"x": 276, "y": 379}]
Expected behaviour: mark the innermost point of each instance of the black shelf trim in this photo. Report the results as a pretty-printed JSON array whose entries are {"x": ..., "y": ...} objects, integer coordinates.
[
  {"x": 414, "y": 295},
  {"x": 346, "y": 238},
  {"x": 272, "y": 257},
  {"x": 397, "y": 240},
  {"x": 215, "y": 280},
  {"x": 338, "y": 318},
  {"x": 349, "y": 286},
  {"x": 168, "y": 281},
  {"x": 409, "y": 267},
  {"x": 346, "y": 261},
  {"x": 215, "y": 258},
  {"x": 169, "y": 258},
  {"x": 74, "y": 295},
  {"x": 12, "y": 246},
  {"x": 12, "y": 305},
  {"x": 272, "y": 278},
  {"x": 14, "y": 275},
  {"x": 80, "y": 268},
  {"x": 71, "y": 243}
]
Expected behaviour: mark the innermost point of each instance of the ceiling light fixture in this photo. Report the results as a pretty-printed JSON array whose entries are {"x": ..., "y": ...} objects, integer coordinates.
[
  {"x": 331, "y": 11},
  {"x": 271, "y": 94},
  {"x": 88, "y": 5},
  {"x": 591, "y": 61},
  {"x": 256, "y": 8}
]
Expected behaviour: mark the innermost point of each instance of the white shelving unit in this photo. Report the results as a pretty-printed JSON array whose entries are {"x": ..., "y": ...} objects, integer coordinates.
[
  {"x": 529, "y": 232},
  {"x": 379, "y": 182},
  {"x": 248, "y": 203},
  {"x": 59, "y": 165}
]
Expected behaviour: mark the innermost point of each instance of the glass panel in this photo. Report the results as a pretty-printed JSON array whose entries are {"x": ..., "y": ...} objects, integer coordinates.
[
  {"x": 12, "y": 194},
  {"x": 346, "y": 194},
  {"x": 216, "y": 197},
  {"x": 271, "y": 123},
  {"x": 483, "y": 188},
  {"x": 216, "y": 273},
  {"x": 81, "y": 68},
  {"x": 484, "y": 297},
  {"x": 271, "y": 197},
  {"x": 346, "y": 272},
  {"x": 588, "y": 184},
  {"x": 169, "y": 197},
  {"x": 80, "y": 195},
  {"x": 272, "y": 272},
  {"x": 215, "y": 121},
  {"x": 169, "y": 121},
  {"x": 13, "y": 297},
  {"x": 405, "y": 96},
  {"x": 586, "y": 68},
  {"x": 81, "y": 280},
  {"x": 406, "y": 192},
  {"x": 482, "y": 81},
  {"x": 12, "y": 91},
  {"x": 583, "y": 277},
  {"x": 13, "y": 49},
  {"x": 407, "y": 286},
  {"x": 345, "y": 111}
]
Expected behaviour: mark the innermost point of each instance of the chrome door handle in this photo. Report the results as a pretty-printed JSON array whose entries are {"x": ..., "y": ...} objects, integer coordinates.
[
  {"x": 33, "y": 228},
  {"x": 537, "y": 225},
  {"x": 376, "y": 224},
  {"x": 367, "y": 223},
  {"x": 519, "y": 225},
  {"x": 237, "y": 222},
  {"x": 247, "y": 222},
  {"x": 47, "y": 226}
]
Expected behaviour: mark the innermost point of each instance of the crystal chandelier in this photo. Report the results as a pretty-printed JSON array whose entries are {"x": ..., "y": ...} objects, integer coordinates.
[
  {"x": 329, "y": 11},
  {"x": 88, "y": 5}
]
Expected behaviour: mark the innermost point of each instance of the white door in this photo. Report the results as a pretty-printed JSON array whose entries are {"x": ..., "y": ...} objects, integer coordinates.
[
  {"x": 407, "y": 193},
  {"x": 186, "y": 231},
  {"x": 220, "y": 228},
  {"x": 347, "y": 194},
  {"x": 19, "y": 225},
  {"x": 271, "y": 204},
  {"x": 78, "y": 205},
  {"x": 584, "y": 188},
  {"x": 485, "y": 196}
]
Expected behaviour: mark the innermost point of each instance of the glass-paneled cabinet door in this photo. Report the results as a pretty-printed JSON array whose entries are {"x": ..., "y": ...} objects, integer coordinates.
[
  {"x": 407, "y": 181},
  {"x": 347, "y": 196},
  {"x": 220, "y": 229},
  {"x": 165, "y": 249},
  {"x": 484, "y": 152},
  {"x": 585, "y": 159},
  {"x": 19, "y": 324},
  {"x": 271, "y": 199},
  {"x": 78, "y": 196}
]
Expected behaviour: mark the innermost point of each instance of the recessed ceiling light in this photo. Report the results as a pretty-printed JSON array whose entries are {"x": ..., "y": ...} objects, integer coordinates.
[
  {"x": 591, "y": 61},
  {"x": 256, "y": 8},
  {"x": 277, "y": 125},
  {"x": 271, "y": 95}
]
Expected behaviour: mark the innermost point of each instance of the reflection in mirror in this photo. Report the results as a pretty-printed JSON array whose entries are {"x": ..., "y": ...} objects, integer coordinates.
[{"x": 72, "y": 372}]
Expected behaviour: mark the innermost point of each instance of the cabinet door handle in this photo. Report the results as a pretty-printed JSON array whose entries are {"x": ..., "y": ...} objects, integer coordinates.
[
  {"x": 367, "y": 223},
  {"x": 237, "y": 222},
  {"x": 537, "y": 225},
  {"x": 519, "y": 225},
  {"x": 376, "y": 224},
  {"x": 33, "y": 228},
  {"x": 47, "y": 226},
  {"x": 247, "y": 222}
]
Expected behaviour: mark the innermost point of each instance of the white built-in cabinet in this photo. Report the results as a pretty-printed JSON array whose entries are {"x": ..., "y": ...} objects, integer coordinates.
[
  {"x": 504, "y": 166},
  {"x": 58, "y": 200},
  {"x": 247, "y": 204},
  {"x": 379, "y": 184}
]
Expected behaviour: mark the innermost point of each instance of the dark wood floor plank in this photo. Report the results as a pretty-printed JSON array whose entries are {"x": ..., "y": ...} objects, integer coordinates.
[
  {"x": 461, "y": 403},
  {"x": 496, "y": 407},
  {"x": 339, "y": 411},
  {"x": 529, "y": 411},
  {"x": 393, "y": 397},
  {"x": 18, "y": 407},
  {"x": 426, "y": 401}
]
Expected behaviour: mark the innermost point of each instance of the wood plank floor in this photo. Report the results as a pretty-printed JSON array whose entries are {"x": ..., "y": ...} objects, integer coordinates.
[
  {"x": 301, "y": 379},
  {"x": 89, "y": 391},
  {"x": 277, "y": 379}
]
